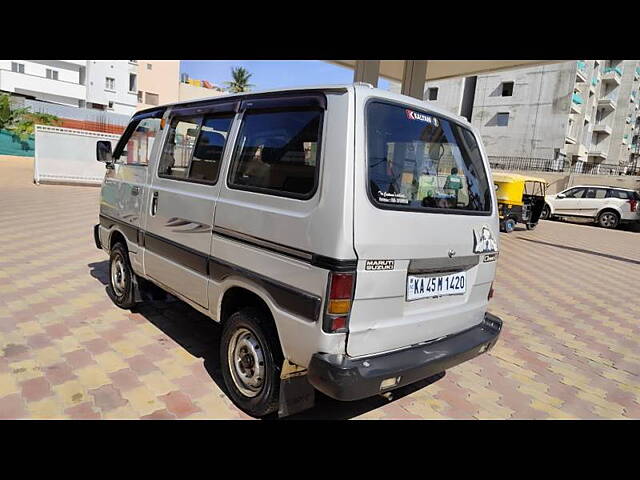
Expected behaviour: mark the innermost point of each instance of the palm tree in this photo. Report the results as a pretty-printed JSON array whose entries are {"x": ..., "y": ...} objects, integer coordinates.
[{"x": 240, "y": 83}]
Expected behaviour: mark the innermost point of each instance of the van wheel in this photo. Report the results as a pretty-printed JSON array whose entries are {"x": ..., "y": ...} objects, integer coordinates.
[
  {"x": 121, "y": 277},
  {"x": 608, "y": 219},
  {"x": 251, "y": 361},
  {"x": 531, "y": 226}
]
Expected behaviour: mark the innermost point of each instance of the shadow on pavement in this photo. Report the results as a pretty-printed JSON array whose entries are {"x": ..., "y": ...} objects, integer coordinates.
[
  {"x": 200, "y": 336},
  {"x": 100, "y": 271},
  {"x": 582, "y": 250}
]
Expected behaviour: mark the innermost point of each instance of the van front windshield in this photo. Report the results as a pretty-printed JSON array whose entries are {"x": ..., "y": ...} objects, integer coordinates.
[{"x": 419, "y": 161}]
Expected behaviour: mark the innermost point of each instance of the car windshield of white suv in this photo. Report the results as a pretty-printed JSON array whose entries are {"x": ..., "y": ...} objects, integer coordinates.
[{"x": 419, "y": 161}]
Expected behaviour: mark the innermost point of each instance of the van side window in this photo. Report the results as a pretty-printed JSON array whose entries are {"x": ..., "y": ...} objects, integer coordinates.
[
  {"x": 176, "y": 154},
  {"x": 277, "y": 152},
  {"x": 207, "y": 155},
  {"x": 139, "y": 144}
]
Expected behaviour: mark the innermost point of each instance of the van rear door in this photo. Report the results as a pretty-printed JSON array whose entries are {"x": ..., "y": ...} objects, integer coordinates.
[{"x": 425, "y": 227}]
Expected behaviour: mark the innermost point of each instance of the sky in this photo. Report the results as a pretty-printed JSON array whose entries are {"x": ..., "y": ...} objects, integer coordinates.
[{"x": 269, "y": 74}]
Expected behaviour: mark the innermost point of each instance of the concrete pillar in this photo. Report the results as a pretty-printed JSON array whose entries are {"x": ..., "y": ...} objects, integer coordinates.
[
  {"x": 367, "y": 71},
  {"x": 468, "y": 97},
  {"x": 413, "y": 78}
]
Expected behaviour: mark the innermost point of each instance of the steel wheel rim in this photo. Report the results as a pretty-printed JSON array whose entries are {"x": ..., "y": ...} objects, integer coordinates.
[
  {"x": 118, "y": 277},
  {"x": 608, "y": 220},
  {"x": 245, "y": 357}
]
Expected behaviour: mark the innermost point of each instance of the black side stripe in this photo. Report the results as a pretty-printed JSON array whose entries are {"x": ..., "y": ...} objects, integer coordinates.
[
  {"x": 184, "y": 256},
  {"x": 288, "y": 298},
  {"x": 294, "y": 300},
  {"x": 335, "y": 264},
  {"x": 129, "y": 231}
]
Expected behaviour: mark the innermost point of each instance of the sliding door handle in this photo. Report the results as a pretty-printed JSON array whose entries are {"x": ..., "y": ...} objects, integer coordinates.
[{"x": 154, "y": 204}]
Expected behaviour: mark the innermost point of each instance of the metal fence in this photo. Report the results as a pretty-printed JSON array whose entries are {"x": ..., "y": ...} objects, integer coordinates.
[
  {"x": 560, "y": 165},
  {"x": 529, "y": 163}
]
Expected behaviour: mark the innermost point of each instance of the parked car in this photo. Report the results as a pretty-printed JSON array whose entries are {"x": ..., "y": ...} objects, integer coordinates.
[
  {"x": 608, "y": 206},
  {"x": 345, "y": 237}
]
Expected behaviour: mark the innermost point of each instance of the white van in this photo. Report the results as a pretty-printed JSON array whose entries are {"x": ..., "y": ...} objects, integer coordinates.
[{"x": 345, "y": 237}]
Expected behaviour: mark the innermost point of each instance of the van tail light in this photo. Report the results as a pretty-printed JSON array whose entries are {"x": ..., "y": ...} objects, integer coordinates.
[
  {"x": 339, "y": 299},
  {"x": 634, "y": 204},
  {"x": 490, "y": 296}
]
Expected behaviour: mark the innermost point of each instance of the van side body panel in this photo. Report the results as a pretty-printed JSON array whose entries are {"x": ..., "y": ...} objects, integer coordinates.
[{"x": 256, "y": 231}]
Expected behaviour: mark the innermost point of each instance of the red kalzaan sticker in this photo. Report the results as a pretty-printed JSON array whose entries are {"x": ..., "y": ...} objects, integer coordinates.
[{"x": 411, "y": 115}]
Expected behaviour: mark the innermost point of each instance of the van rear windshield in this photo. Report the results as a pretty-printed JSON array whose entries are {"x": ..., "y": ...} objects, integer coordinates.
[{"x": 419, "y": 161}]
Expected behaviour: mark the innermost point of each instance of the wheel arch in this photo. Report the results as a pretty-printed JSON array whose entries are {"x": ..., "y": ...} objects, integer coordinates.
[{"x": 239, "y": 294}]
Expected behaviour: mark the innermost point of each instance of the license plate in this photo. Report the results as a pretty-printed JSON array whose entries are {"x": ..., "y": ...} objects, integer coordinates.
[{"x": 438, "y": 286}]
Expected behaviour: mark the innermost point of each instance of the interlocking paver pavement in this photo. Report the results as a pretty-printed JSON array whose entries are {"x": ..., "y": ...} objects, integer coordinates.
[{"x": 568, "y": 295}]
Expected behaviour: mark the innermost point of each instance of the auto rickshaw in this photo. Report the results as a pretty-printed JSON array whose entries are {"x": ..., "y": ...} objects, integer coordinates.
[{"x": 520, "y": 200}]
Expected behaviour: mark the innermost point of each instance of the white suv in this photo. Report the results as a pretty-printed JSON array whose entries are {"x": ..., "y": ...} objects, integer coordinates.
[{"x": 608, "y": 206}]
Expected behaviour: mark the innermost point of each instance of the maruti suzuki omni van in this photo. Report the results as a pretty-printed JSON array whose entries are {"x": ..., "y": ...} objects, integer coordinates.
[{"x": 343, "y": 236}]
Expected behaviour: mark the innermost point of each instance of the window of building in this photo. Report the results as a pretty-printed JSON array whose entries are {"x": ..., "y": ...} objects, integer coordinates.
[
  {"x": 52, "y": 74},
  {"x": 502, "y": 119},
  {"x": 432, "y": 93},
  {"x": 140, "y": 142},
  {"x": 110, "y": 83},
  {"x": 17, "y": 67},
  {"x": 133, "y": 82},
  {"x": 507, "y": 89},
  {"x": 111, "y": 104},
  {"x": 149, "y": 66},
  {"x": 151, "y": 98},
  {"x": 277, "y": 153},
  {"x": 140, "y": 96}
]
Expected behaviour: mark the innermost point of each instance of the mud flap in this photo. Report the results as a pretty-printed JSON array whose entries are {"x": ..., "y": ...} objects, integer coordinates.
[{"x": 296, "y": 393}]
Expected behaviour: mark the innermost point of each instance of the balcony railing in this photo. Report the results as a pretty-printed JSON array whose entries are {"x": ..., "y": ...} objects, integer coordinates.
[
  {"x": 617, "y": 70},
  {"x": 560, "y": 166}
]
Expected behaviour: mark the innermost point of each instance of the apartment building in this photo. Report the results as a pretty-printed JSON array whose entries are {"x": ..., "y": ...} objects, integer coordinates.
[
  {"x": 112, "y": 85},
  {"x": 56, "y": 81},
  {"x": 585, "y": 112},
  {"x": 158, "y": 82},
  {"x": 98, "y": 84}
]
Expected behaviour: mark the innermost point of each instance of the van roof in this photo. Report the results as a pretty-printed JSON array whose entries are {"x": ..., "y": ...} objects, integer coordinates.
[{"x": 337, "y": 87}]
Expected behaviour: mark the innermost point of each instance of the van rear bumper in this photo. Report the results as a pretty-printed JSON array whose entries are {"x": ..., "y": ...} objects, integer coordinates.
[{"x": 343, "y": 378}]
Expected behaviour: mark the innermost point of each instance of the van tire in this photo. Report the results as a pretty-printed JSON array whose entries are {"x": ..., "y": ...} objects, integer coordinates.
[
  {"x": 121, "y": 275},
  {"x": 249, "y": 330}
]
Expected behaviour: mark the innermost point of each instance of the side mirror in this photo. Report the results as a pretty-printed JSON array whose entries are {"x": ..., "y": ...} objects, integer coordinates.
[
  {"x": 561, "y": 195},
  {"x": 103, "y": 151}
]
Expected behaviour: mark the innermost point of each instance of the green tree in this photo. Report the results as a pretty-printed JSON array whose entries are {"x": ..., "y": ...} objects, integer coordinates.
[
  {"x": 22, "y": 121},
  {"x": 240, "y": 82}
]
